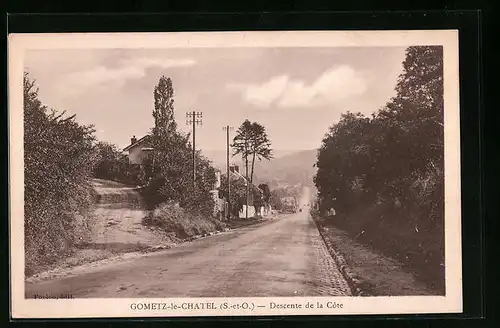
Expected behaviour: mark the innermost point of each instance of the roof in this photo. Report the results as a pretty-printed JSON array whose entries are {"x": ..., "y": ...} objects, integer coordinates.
[
  {"x": 239, "y": 176},
  {"x": 138, "y": 142}
]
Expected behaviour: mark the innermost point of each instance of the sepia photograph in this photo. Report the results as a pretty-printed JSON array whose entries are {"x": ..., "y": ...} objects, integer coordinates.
[{"x": 236, "y": 173}]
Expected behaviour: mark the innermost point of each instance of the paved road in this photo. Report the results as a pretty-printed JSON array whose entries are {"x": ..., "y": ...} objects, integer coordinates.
[{"x": 282, "y": 257}]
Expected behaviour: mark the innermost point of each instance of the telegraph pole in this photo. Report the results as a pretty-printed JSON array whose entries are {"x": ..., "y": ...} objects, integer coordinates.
[
  {"x": 228, "y": 128},
  {"x": 194, "y": 118},
  {"x": 246, "y": 179}
]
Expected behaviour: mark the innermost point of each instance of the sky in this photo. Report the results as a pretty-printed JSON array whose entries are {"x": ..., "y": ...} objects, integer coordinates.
[{"x": 296, "y": 93}]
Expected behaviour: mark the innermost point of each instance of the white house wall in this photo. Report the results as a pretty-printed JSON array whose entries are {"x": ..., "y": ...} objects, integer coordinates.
[
  {"x": 136, "y": 155},
  {"x": 251, "y": 211}
]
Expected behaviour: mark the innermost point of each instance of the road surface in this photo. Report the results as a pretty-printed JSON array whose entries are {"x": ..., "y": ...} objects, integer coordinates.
[{"x": 282, "y": 257}]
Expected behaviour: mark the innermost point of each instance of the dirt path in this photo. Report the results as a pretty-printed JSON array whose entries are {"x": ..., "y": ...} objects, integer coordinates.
[
  {"x": 116, "y": 229},
  {"x": 118, "y": 224}
]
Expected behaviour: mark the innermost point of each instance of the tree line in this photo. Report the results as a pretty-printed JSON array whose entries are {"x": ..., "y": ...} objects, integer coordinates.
[{"x": 384, "y": 174}]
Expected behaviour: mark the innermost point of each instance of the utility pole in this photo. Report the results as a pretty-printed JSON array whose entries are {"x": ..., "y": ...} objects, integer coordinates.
[
  {"x": 246, "y": 207},
  {"x": 228, "y": 128},
  {"x": 246, "y": 179},
  {"x": 194, "y": 118}
]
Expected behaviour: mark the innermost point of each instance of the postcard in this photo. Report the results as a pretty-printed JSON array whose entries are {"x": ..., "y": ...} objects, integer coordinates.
[{"x": 224, "y": 174}]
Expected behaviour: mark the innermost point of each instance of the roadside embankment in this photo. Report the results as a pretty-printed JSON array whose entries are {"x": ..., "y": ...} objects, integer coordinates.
[
  {"x": 121, "y": 227},
  {"x": 369, "y": 272},
  {"x": 179, "y": 225}
]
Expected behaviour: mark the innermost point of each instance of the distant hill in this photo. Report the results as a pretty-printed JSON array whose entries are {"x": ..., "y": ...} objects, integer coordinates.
[
  {"x": 218, "y": 157},
  {"x": 293, "y": 169},
  {"x": 288, "y": 168}
]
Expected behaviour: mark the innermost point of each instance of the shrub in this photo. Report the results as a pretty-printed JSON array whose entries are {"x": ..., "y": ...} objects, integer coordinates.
[
  {"x": 113, "y": 165},
  {"x": 180, "y": 222},
  {"x": 58, "y": 162}
]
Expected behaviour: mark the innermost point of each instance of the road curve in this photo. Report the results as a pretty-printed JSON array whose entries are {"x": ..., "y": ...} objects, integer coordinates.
[{"x": 282, "y": 257}]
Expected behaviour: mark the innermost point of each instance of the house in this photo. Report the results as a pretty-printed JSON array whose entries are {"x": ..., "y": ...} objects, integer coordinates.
[
  {"x": 219, "y": 204},
  {"x": 235, "y": 175},
  {"x": 137, "y": 150}
]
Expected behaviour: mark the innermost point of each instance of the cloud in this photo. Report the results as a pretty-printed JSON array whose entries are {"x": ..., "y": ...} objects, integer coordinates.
[
  {"x": 102, "y": 76},
  {"x": 264, "y": 94},
  {"x": 146, "y": 62},
  {"x": 336, "y": 84}
]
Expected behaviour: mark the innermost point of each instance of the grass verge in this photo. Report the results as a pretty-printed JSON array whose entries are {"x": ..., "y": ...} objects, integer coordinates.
[
  {"x": 375, "y": 273},
  {"x": 181, "y": 225}
]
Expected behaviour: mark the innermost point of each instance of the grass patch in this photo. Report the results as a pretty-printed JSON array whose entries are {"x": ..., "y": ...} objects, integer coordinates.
[
  {"x": 381, "y": 264},
  {"x": 181, "y": 224},
  {"x": 239, "y": 223}
]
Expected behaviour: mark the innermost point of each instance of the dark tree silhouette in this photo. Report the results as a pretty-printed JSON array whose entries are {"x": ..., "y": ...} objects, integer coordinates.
[
  {"x": 260, "y": 146},
  {"x": 171, "y": 154},
  {"x": 251, "y": 141},
  {"x": 384, "y": 174},
  {"x": 163, "y": 112}
]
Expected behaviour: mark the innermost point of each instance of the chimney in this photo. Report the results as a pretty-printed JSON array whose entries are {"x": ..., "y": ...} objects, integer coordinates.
[{"x": 133, "y": 140}]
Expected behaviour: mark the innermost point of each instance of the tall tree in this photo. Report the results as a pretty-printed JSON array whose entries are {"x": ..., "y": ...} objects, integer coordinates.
[
  {"x": 260, "y": 146},
  {"x": 163, "y": 112},
  {"x": 379, "y": 158},
  {"x": 251, "y": 141},
  {"x": 419, "y": 104},
  {"x": 242, "y": 143},
  {"x": 171, "y": 152}
]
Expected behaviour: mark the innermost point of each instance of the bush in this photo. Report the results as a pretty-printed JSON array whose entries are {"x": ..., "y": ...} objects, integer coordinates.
[
  {"x": 174, "y": 184},
  {"x": 115, "y": 166},
  {"x": 180, "y": 222},
  {"x": 58, "y": 162}
]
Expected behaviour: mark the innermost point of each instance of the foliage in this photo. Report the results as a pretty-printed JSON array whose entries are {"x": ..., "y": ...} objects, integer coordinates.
[
  {"x": 241, "y": 143},
  {"x": 171, "y": 174},
  {"x": 114, "y": 165},
  {"x": 180, "y": 223},
  {"x": 266, "y": 193},
  {"x": 251, "y": 140},
  {"x": 392, "y": 164},
  {"x": 238, "y": 194},
  {"x": 278, "y": 197},
  {"x": 163, "y": 112},
  {"x": 257, "y": 197},
  {"x": 260, "y": 145},
  {"x": 59, "y": 158}
]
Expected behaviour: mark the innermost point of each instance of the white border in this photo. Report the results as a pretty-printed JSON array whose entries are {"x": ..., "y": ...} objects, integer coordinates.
[{"x": 30, "y": 308}]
